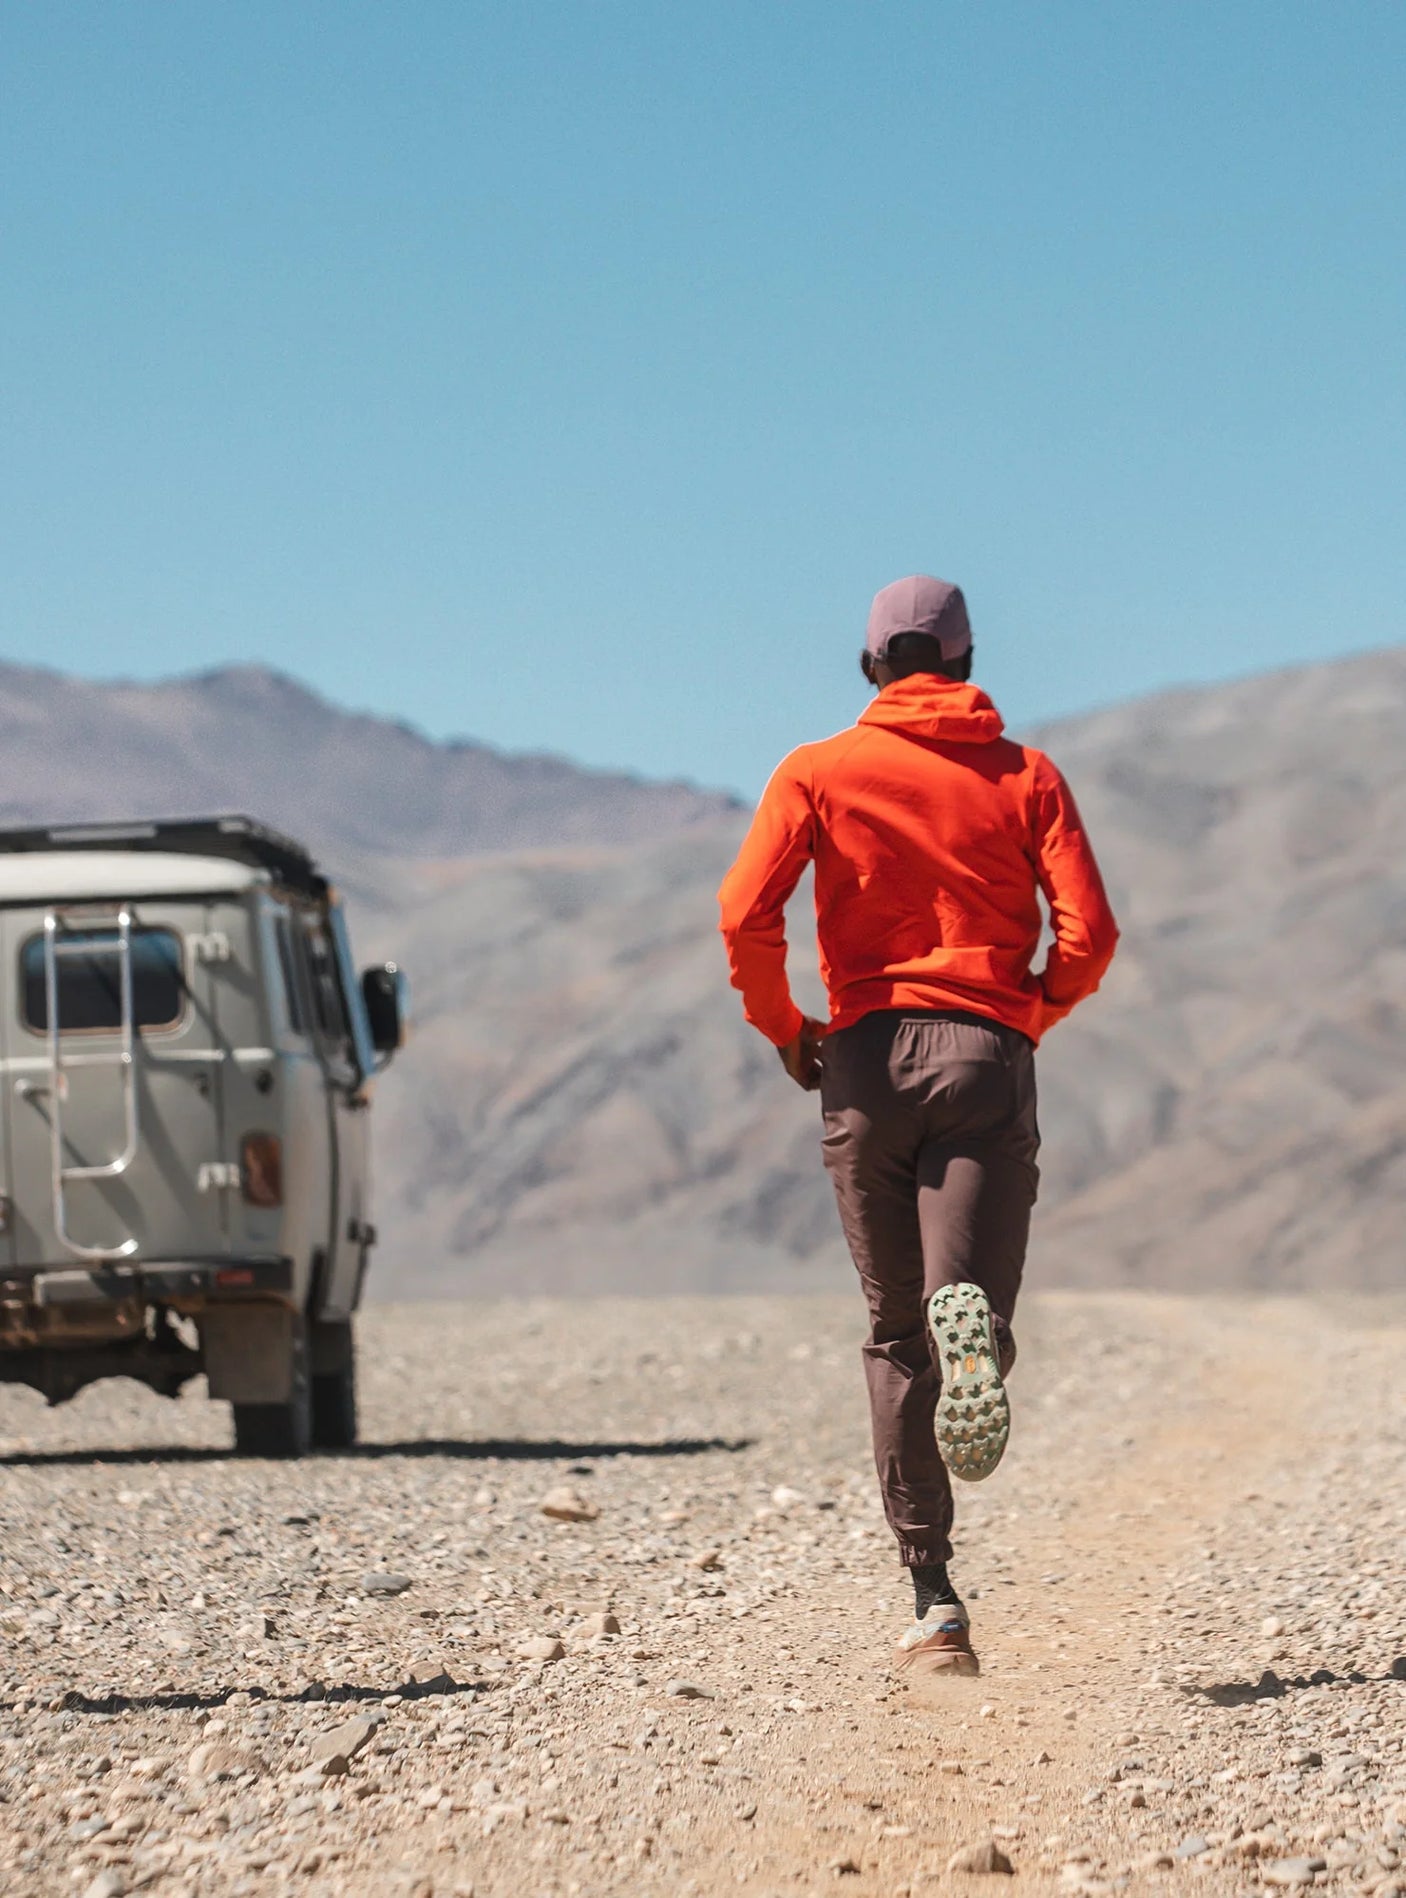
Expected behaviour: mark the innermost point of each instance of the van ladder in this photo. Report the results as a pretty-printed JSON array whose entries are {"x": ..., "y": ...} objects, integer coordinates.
[{"x": 123, "y": 1057}]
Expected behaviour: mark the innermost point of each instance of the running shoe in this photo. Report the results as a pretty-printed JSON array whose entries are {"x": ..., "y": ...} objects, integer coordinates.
[{"x": 936, "y": 1647}]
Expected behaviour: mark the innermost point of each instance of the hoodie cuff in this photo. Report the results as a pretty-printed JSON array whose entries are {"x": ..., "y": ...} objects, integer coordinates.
[{"x": 782, "y": 1028}]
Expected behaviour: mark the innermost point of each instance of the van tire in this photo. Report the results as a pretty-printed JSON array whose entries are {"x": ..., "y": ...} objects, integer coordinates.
[
  {"x": 280, "y": 1430},
  {"x": 333, "y": 1383}
]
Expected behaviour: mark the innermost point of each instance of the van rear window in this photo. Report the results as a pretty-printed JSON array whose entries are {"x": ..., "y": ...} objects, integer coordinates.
[{"x": 90, "y": 981}]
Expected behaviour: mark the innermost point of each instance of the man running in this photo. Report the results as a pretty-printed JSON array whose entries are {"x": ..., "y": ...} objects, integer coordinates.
[{"x": 932, "y": 835}]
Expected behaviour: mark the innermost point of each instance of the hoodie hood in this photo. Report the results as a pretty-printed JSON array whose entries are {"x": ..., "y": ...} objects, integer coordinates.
[{"x": 925, "y": 705}]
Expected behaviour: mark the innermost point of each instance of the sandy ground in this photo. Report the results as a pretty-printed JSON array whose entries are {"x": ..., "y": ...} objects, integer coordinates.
[{"x": 1186, "y": 1584}]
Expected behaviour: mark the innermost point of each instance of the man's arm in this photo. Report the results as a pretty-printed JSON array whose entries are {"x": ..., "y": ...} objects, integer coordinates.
[
  {"x": 1084, "y": 930},
  {"x": 754, "y": 895}
]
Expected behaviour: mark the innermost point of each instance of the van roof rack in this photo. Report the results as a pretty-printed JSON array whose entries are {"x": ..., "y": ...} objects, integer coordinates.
[{"x": 241, "y": 839}]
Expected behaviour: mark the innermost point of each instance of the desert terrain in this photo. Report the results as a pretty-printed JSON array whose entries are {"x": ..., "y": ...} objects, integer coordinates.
[{"x": 392, "y": 1672}]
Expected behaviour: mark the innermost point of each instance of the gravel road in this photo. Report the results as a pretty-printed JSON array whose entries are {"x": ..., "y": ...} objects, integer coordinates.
[{"x": 394, "y": 1672}]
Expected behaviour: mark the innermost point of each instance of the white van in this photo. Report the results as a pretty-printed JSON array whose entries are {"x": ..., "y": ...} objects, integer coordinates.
[{"x": 186, "y": 1063}]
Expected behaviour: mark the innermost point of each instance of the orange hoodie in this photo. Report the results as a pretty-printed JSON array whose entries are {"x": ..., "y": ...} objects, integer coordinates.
[{"x": 930, "y": 832}]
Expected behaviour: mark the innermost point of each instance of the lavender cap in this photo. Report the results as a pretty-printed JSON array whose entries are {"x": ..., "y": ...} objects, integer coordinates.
[{"x": 920, "y": 604}]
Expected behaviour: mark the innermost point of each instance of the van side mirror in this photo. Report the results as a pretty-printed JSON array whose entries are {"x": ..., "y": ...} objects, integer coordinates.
[{"x": 386, "y": 993}]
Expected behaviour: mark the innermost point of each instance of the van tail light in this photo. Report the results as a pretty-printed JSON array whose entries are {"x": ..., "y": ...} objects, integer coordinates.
[{"x": 261, "y": 1172}]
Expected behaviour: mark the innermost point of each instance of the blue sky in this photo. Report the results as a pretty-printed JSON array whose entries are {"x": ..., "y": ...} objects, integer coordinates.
[{"x": 570, "y": 376}]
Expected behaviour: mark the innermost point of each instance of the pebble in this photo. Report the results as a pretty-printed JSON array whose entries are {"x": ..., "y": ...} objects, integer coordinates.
[
  {"x": 687, "y": 1690},
  {"x": 429, "y": 1675},
  {"x": 983, "y": 1856},
  {"x": 567, "y": 1505},
  {"x": 107, "y": 1884},
  {"x": 540, "y": 1647},
  {"x": 343, "y": 1742},
  {"x": 212, "y": 1759},
  {"x": 506, "y": 1812},
  {"x": 378, "y": 1582},
  {"x": 1290, "y": 1871}
]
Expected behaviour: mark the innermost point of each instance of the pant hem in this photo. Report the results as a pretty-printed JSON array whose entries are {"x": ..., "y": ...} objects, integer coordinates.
[{"x": 912, "y": 1557}]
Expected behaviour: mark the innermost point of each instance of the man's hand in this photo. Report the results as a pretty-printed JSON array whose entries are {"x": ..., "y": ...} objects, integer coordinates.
[{"x": 801, "y": 1055}]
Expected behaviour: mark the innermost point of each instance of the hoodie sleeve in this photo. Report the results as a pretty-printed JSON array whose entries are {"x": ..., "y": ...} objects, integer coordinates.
[
  {"x": 1084, "y": 930},
  {"x": 753, "y": 898}
]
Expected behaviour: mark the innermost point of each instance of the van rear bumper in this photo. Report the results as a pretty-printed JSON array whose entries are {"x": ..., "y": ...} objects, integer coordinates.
[
  {"x": 218, "y": 1279},
  {"x": 62, "y": 1327},
  {"x": 153, "y": 1278},
  {"x": 53, "y": 1305}
]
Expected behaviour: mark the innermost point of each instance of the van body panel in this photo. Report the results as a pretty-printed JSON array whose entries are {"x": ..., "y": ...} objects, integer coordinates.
[
  {"x": 335, "y": 1009},
  {"x": 344, "y": 1273},
  {"x": 249, "y": 1100},
  {"x": 90, "y": 876},
  {"x": 162, "y": 1200},
  {"x": 351, "y": 1118},
  {"x": 297, "y": 1102}
]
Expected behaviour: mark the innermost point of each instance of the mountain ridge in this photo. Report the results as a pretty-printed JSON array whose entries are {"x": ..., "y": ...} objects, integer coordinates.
[{"x": 240, "y": 735}]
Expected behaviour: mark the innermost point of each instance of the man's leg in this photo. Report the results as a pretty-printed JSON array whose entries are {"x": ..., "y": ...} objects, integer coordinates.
[
  {"x": 976, "y": 1193},
  {"x": 869, "y": 1153},
  {"x": 977, "y": 1181},
  {"x": 974, "y": 1207}
]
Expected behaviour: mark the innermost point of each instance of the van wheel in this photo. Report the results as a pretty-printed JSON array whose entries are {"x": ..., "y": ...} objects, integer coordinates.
[
  {"x": 333, "y": 1383},
  {"x": 279, "y": 1430}
]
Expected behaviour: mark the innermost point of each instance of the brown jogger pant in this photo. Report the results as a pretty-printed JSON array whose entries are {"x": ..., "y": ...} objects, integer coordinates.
[{"x": 930, "y": 1140}]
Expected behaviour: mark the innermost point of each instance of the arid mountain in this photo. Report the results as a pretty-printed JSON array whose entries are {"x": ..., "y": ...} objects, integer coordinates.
[
  {"x": 344, "y": 781},
  {"x": 1233, "y": 1109},
  {"x": 582, "y": 1107}
]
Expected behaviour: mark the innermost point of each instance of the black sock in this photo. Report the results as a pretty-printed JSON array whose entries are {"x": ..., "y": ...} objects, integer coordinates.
[{"x": 930, "y": 1585}]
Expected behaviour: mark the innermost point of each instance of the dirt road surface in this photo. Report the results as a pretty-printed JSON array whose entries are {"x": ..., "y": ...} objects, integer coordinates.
[{"x": 1186, "y": 1584}]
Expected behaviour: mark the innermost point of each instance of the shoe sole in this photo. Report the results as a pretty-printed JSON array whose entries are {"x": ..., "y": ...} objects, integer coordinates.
[{"x": 973, "y": 1421}]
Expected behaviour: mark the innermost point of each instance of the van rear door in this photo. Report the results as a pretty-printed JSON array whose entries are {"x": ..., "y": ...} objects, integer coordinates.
[
  {"x": 339, "y": 1036},
  {"x": 114, "y": 1157}
]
